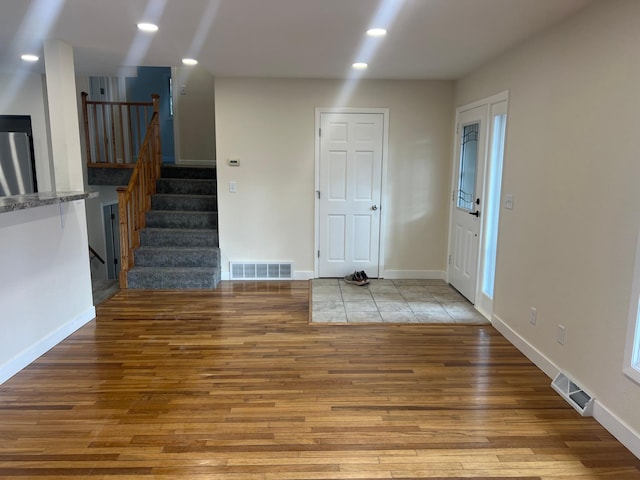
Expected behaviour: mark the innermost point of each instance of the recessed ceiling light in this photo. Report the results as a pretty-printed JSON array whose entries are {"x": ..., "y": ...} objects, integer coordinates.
[
  {"x": 27, "y": 57},
  {"x": 360, "y": 65},
  {"x": 189, "y": 61},
  {"x": 148, "y": 27},
  {"x": 376, "y": 32}
]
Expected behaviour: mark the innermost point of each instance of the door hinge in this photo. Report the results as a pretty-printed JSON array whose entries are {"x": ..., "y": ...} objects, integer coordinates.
[
  {"x": 113, "y": 216},
  {"x": 457, "y": 129},
  {"x": 115, "y": 261},
  {"x": 320, "y": 132},
  {"x": 318, "y": 253},
  {"x": 449, "y": 259},
  {"x": 318, "y": 192}
]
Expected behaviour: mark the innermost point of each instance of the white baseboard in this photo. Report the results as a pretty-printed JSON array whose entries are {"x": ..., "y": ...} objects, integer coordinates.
[
  {"x": 415, "y": 274},
  {"x": 614, "y": 425},
  {"x": 303, "y": 275},
  {"x": 33, "y": 352},
  {"x": 529, "y": 351}
]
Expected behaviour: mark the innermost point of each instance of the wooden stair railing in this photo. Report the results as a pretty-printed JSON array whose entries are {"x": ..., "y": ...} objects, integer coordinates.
[
  {"x": 114, "y": 131},
  {"x": 134, "y": 200}
]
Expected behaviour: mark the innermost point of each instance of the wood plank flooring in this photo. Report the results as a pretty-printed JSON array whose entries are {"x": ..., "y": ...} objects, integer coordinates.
[{"x": 236, "y": 384}]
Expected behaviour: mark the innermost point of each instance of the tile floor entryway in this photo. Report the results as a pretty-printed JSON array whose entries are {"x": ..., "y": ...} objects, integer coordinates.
[{"x": 390, "y": 301}]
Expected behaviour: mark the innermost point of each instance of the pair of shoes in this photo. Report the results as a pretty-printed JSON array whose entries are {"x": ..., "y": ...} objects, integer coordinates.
[{"x": 357, "y": 278}]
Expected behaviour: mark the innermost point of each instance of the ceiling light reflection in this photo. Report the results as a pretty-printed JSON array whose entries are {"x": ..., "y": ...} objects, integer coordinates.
[
  {"x": 148, "y": 27},
  {"x": 376, "y": 32}
]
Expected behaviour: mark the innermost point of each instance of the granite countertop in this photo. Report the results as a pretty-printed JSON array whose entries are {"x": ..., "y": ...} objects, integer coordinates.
[{"x": 32, "y": 200}]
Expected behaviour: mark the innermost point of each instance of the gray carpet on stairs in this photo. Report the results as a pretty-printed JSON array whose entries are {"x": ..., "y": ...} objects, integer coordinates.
[{"x": 179, "y": 246}]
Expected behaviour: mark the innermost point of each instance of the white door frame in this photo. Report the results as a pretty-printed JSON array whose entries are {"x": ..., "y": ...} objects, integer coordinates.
[
  {"x": 383, "y": 184},
  {"x": 489, "y": 102}
]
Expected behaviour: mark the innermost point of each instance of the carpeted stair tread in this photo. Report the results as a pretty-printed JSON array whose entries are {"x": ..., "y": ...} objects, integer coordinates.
[
  {"x": 177, "y": 256},
  {"x": 186, "y": 186},
  {"x": 167, "y": 201},
  {"x": 172, "y": 171},
  {"x": 171, "y": 237},
  {"x": 173, "y": 278},
  {"x": 181, "y": 219}
]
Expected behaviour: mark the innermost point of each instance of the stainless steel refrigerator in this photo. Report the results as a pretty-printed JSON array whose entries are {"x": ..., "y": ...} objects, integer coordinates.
[{"x": 16, "y": 166}]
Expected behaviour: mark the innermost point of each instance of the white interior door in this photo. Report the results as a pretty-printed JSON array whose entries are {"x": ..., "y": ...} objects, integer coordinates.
[
  {"x": 350, "y": 178},
  {"x": 467, "y": 201}
]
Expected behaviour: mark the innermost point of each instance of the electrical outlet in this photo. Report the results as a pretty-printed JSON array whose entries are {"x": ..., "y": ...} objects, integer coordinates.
[
  {"x": 560, "y": 337},
  {"x": 533, "y": 316}
]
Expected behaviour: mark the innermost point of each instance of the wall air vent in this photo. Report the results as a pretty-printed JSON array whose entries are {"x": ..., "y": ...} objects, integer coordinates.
[
  {"x": 261, "y": 270},
  {"x": 572, "y": 393}
]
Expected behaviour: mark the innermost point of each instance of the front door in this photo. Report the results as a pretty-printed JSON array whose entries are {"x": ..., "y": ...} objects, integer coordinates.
[
  {"x": 350, "y": 178},
  {"x": 467, "y": 201}
]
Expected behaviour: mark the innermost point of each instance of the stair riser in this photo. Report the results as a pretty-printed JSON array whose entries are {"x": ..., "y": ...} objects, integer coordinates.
[
  {"x": 187, "y": 172},
  {"x": 176, "y": 258},
  {"x": 182, "y": 281},
  {"x": 168, "y": 219},
  {"x": 177, "y": 238},
  {"x": 189, "y": 203},
  {"x": 186, "y": 186}
]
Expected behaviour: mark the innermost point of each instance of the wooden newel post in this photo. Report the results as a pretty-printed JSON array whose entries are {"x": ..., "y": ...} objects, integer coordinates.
[
  {"x": 124, "y": 235},
  {"x": 85, "y": 119}
]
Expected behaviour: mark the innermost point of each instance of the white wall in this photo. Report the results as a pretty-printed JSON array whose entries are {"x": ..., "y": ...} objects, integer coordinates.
[
  {"x": 269, "y": 125},
  {"x": 63, "y": 114},
  {"x": 194, "y": 130},
  {"x": 45, "y": 291},
  {"x": 23, "y": 93},
  {"x": 572, "y": 165}
]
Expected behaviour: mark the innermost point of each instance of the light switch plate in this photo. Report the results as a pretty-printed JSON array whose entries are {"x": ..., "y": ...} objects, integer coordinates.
[
  {"x": 508, "y": 201},
  {"x": 233, "y": 187}
]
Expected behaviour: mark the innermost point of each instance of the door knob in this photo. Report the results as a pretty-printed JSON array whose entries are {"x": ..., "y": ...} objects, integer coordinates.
[
  {"x": 374, "y": 207},
  {"x": 476, "y": 213}
]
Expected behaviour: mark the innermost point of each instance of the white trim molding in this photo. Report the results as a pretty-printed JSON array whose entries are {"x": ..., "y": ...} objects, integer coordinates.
[
  {"x": 414, "y": 274},
  {"x": 631, "y": 367},
  {"x": 614, "y": 425},
  {"x": 35, "y": 351},
  {"x": 529, "y": 351}
]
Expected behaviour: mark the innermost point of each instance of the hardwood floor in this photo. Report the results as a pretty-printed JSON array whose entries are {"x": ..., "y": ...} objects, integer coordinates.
[{"x": 236, "y": 384}]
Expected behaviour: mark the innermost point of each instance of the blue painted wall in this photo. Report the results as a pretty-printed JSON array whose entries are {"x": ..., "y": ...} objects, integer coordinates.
[{"x": 139, "y": 89}]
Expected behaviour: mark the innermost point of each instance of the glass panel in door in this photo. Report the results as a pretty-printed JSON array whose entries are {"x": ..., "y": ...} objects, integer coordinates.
[{"x": 468, "y": 166}]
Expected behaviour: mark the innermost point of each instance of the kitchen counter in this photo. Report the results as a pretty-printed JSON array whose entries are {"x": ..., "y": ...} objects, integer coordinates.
[{"x": 32, "y": 200}]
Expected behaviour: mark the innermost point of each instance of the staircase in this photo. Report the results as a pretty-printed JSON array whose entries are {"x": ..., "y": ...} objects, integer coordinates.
[{"x": 179, "y": 244}]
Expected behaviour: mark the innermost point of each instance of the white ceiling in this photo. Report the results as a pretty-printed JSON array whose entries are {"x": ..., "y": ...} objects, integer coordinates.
[{"x": 432, "y": 39}]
